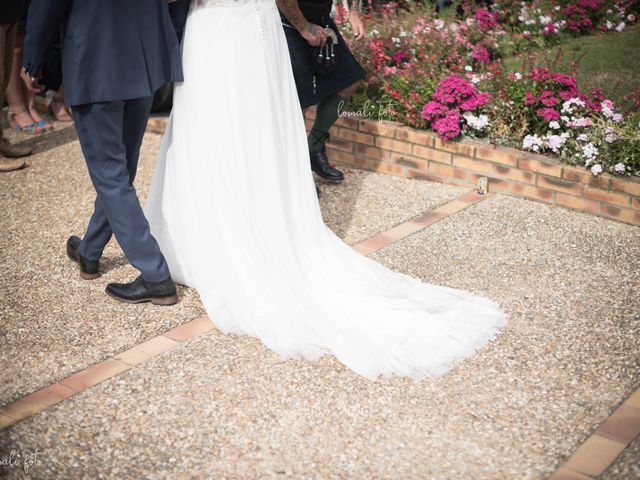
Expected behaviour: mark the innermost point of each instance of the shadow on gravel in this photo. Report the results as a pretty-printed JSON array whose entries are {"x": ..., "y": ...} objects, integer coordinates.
[{"x": 48, "y": 141}]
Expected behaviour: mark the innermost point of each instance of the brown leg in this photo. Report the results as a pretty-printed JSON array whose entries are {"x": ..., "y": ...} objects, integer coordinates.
[{"x": 16, "y": 91}]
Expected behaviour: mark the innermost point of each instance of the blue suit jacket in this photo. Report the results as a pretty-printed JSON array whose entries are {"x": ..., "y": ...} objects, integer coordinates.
[{"x": 111, "y": 49}]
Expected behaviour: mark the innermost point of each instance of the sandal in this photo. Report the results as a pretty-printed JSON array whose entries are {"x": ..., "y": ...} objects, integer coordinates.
[
  {"x": 34, "y": 127},
  {"x": 41, "y": 123}
]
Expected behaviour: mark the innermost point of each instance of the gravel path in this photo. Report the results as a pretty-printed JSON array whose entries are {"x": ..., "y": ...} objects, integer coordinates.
[
  {"x": 54, "y": 323},
  {"x": 224, "y": 406}
]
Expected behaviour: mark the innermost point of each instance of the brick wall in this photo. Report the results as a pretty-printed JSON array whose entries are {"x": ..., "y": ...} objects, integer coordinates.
[{"x": 399, "y": 150}]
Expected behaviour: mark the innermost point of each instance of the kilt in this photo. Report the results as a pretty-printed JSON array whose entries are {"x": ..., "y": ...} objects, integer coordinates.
[{"x": 312, "y": 87}]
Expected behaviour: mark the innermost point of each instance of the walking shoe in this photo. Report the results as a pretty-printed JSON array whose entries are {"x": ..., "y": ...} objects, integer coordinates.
[
  {"x": 89, "y": 269},
  {"x": 140, "y": 290},
  {"x": 13, "y": 151}
]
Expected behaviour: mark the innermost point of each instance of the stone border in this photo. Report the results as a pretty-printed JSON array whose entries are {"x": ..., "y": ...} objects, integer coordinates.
[
  {"x": 395, "y": 149},
  {"x": 89, "y": 377},
  {"x": 602, "y": 448}
]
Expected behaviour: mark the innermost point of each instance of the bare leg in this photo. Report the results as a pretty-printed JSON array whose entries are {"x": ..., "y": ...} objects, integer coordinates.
[
  {"x": 16, "y": 97},
  {"x": 58, "y": 108}
]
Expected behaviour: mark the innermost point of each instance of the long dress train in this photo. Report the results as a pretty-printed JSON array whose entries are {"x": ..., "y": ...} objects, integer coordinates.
[{"x": 234, "y": 209}]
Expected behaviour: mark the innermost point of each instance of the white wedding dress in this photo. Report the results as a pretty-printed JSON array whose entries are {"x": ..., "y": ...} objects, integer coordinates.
[{"x": 234, "y": 208}]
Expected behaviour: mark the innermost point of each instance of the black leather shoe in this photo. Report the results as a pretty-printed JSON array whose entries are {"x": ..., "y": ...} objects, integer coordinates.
[
  {"x": 319, "y": 161},
  {"x": 140, "y": 290},
  {"x": 89, "y": 269},
  {"x": 320, "y": 165}
]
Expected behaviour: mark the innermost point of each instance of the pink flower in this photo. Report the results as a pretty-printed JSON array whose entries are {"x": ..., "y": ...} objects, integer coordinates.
[
  {"x": 481, "y": 54},
  {"x": 549, "y": 114}
]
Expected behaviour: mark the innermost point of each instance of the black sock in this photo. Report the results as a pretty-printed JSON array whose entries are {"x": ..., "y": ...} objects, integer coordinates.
[{"x": 326, "y": 116}]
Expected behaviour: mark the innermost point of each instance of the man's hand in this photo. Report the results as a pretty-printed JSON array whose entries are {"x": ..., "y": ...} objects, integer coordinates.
[
  {"x": 356, "y": 24},
  {"x": 31, "y": 82},
  {"x": 314, "y": 35}
]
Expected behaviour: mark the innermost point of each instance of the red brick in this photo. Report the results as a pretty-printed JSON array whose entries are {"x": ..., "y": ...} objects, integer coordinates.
[
  {"x": 393, "y": 145},
  {"x": 371, "y": 152},
  {"x": 431, "y": 154},
  {"x": 409, "y": 135},
  {"x": 465, "y": 149},
  {"x": 342, "y": 157},
  {"x": 472, "y": 197},
  {"x": 606, "y": 196},
  {"x": 540, "y": 166},
  {"x": 473, "y": 164},
  {"x": 579, "y": 174},
  {"x": 559, "y": 184},
  {"x": 355, "y": 136},
  {"x": 441, "y": 169},
  {"x": 531, "y": 191},
  {"x": 347, "y": 123},
  {"x": 341, "y": 144},
  {"x": 577, "y": 203},
  {"x": 378, "y": 128},
  {"x": 410, "y": 162},
  {"x": 514, "y": 174},
  {"x": 635, "y": 202},
  {"x": 627, "y": 185},
  {"x": 624, "y": 214},
  {"x": 502, "y": 155}
]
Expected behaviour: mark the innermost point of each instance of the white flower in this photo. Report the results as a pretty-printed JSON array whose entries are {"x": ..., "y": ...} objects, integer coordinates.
[
  {"x": 557, "y": 8},
  {"x": 607, "y": 108},
  {"x": 555, "y": 142},
  {"x": 479, "y": 122},
  {"x": 395, "y": 40},
  {"x": 590, "y": 151},
  {"x": 475, "y": 79},
  {"x": 468, "y": 68},
  {"x": 617, "y": 117},
  {"x": 439, "y": 23},
  {"x": 609, "y": 25},
  {"x": 620, "y": 26},
  {"x": 583, "y": 137},
  {"x": 518, "y": 76},
  {"x": 567, "y": 107},
  {"x": 596, "y": 169},
  {"x": 532, "y": 142},
  {"x": 619, "y": 167},
  {"x": 545, "y": 19},
  {"x": 554, "y": 125}
]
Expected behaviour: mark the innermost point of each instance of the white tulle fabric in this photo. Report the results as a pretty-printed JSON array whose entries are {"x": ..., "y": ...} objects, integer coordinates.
[{"x": 234, "y": 209}]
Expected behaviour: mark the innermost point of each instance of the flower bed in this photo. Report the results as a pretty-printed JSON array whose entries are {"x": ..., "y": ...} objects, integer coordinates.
[
  {"x": 395, "y": 149},
  {"x": 447, "y": 75}
]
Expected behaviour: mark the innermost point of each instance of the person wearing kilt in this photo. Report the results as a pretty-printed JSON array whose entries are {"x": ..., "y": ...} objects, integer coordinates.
[{"x": 326, "y": 73}]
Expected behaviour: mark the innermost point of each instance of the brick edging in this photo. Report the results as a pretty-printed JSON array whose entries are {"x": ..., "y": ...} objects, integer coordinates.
[
  {"x": 604, "y": 446},
  {"x": 396, "y": 149}
]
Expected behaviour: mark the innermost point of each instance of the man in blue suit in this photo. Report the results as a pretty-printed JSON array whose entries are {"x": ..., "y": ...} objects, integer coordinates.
[{"x": 115, "y": 54}]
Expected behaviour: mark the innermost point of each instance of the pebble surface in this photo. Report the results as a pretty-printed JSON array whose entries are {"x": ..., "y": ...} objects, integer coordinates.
[
  {"x": 54, "y": 323},
  {"x": 224, "y": 406}
]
